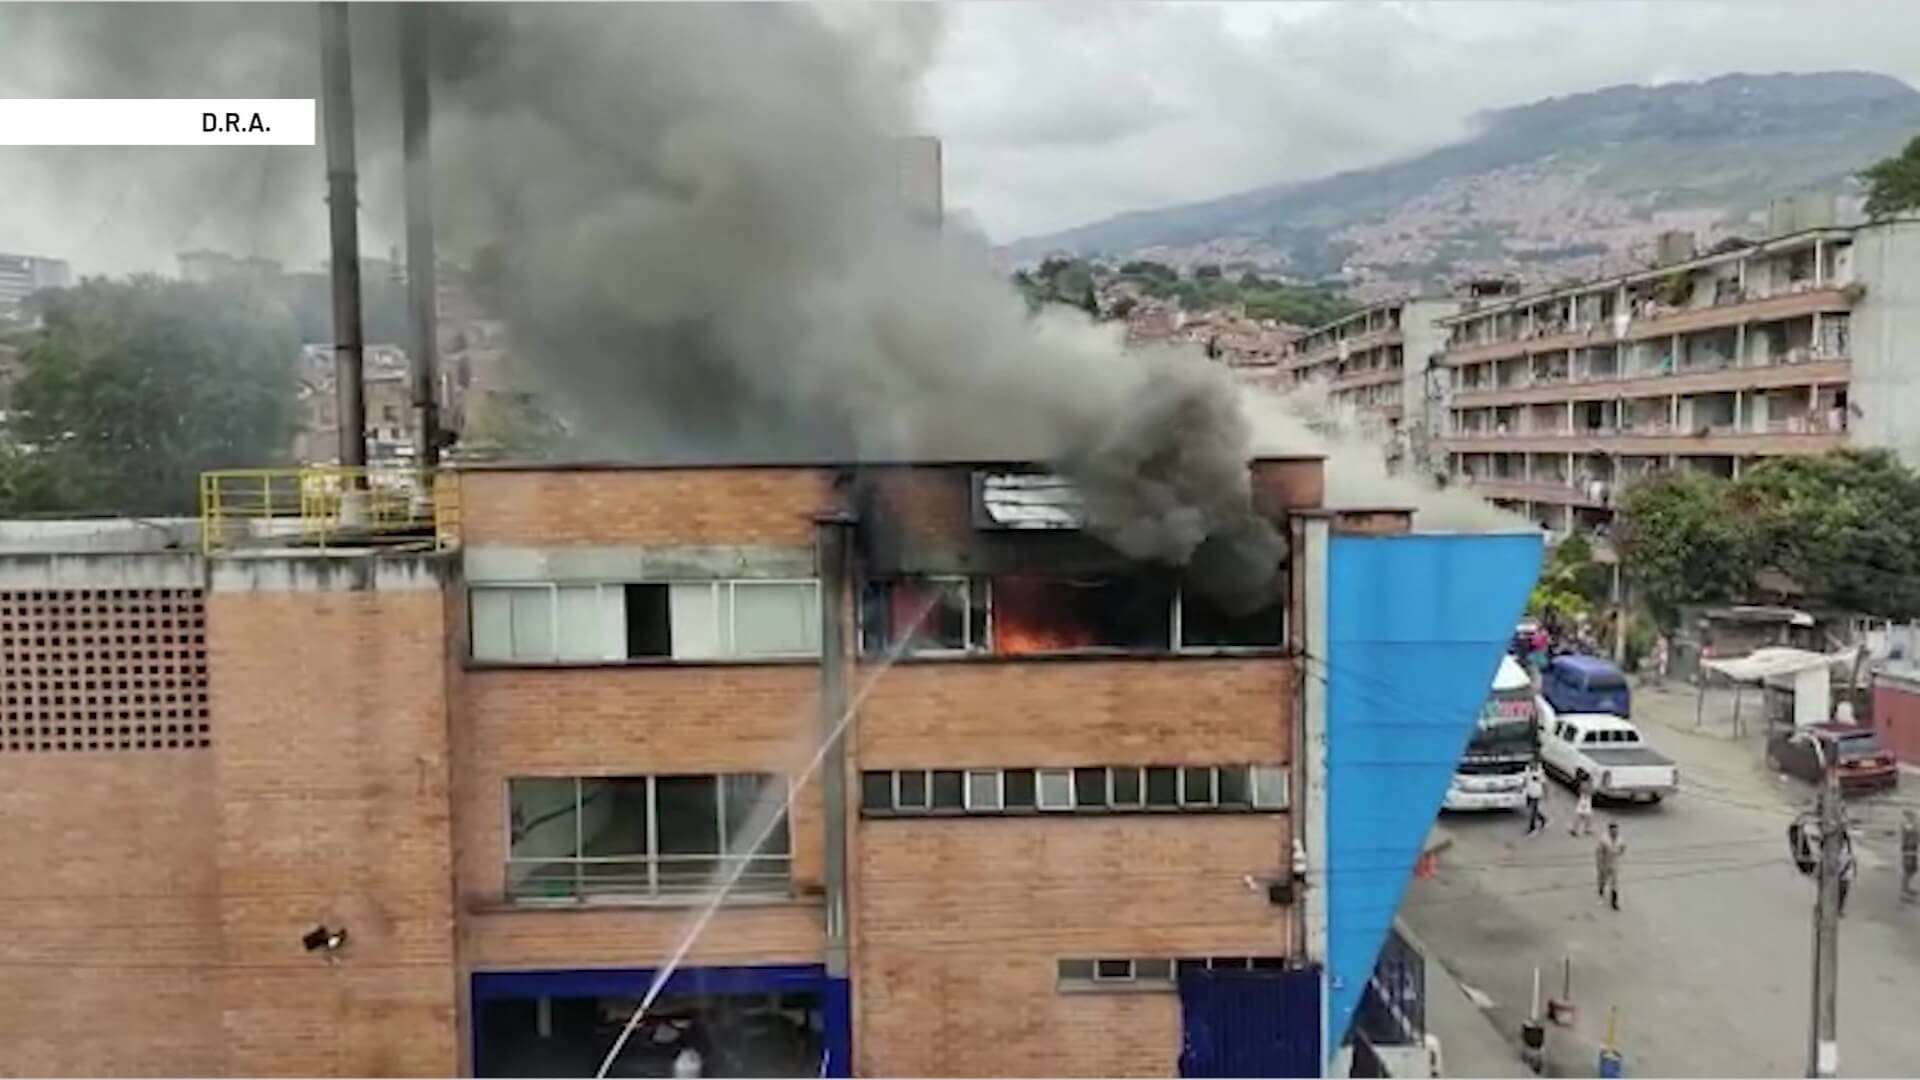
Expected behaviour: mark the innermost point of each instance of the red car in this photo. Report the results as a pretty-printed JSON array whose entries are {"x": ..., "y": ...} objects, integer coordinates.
[{"x": 1864, "y": 764}]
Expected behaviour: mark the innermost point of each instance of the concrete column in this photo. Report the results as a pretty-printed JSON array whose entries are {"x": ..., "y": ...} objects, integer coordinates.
[
  {"x": 1315, "y": 553},
  {"x": 1819, "y": 266},
  {"x": 1740, "y": 345}
]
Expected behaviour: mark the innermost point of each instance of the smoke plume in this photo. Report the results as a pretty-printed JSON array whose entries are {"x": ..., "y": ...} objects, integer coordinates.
[{"x": 689, "y": 216}]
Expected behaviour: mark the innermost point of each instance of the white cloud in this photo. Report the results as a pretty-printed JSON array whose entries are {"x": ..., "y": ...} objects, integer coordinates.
[{"x": 1058, "y": 114}]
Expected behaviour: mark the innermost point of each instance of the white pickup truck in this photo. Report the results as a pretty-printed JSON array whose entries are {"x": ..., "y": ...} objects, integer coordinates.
[{"x": 1609, "y": 750}]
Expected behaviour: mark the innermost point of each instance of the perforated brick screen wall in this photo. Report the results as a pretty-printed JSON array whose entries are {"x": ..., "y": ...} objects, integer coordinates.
[{"x": 103, "y": 670}]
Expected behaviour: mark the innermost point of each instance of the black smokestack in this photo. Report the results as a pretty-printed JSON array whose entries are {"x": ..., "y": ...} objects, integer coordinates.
[{"x": 690, "y": 217}]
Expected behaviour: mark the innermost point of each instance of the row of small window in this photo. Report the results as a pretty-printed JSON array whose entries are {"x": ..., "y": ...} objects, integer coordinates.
[
  {"x": 697, "y": 620},
  {"x": 1103, "y": 789},
  {"x": 1156, "y": 972}
]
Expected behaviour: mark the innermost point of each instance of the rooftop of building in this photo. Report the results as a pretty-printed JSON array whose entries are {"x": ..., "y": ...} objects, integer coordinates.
[{"x": 1786, "y": 242}]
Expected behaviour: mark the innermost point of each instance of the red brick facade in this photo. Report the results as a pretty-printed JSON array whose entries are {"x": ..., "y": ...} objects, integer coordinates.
[{"x": 357, "y": 777}]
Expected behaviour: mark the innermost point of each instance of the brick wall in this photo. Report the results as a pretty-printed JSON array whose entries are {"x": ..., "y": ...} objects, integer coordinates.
[
  {"x": 1172, "y": 711},
  {"x": 642, "y": 506},
  {"x": 332, "y": 784},
  {"x": 1281, "y": 485},
  {"x": 959, "y": 923},
  {"x": 707, "y": 718},
  {"x": 109, "y": 925}
]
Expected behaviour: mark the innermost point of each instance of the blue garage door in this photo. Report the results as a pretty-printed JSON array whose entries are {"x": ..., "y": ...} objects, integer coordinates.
[{"x": 1250, "y": 1023}]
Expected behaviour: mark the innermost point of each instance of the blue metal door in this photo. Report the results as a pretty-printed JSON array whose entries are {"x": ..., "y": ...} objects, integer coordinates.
[{"x": 1250, "y": 1023}]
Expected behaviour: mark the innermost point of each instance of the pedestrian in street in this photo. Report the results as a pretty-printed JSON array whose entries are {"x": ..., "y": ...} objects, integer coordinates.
[
  {"x": 1909, "y": 854},
  {"x": 1535, "y": 790},
  {"x": 1606, "y": 864},
  {"x": 1582, "y": 806}
]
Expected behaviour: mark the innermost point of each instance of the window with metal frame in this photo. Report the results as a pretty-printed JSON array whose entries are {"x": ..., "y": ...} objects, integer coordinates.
[
  {"x": 559, "y": 622},
  {"x": 1086, "y": 789},
  {"x": 611, "y": 838}
]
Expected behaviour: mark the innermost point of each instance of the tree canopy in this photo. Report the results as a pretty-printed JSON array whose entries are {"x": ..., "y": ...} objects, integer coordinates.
[
  {"x": 1893, "y": 183},
  {"x": 1844, "y": 526},
  {"x": 129, "y": 390}
]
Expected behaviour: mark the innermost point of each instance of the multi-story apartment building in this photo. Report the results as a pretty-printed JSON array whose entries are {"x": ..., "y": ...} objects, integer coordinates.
[
  {"x": 23, "y": 275},
  {"x": 1788, "y": 346},
  {"x": 984, "y": 797},
  {"x": 1378, "y": 362}
]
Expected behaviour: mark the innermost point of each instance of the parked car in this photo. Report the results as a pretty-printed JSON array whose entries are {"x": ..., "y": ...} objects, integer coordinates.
[
  {"x": 1609, "y": 750},
  {"x": 1864, "y": 763},
  {"x": 1575, "y": 683}
]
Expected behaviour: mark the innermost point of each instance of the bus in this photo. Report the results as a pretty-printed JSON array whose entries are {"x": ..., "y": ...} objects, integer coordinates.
[{"x": 1492, "y": 772}]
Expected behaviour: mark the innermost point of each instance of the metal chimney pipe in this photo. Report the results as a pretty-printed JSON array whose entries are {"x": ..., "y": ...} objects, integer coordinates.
[
  {"x": 343, "y": 210},
  {"x": 415, "y": 121}
]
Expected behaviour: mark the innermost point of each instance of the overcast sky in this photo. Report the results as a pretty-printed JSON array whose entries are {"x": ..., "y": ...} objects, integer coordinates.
[
  {"x": 1059, "y": 114},
  {"x": 1055, "y": 115}
]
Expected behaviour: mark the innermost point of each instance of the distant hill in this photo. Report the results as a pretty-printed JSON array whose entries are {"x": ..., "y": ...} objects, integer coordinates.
[{"x": 1569, "y": 185}]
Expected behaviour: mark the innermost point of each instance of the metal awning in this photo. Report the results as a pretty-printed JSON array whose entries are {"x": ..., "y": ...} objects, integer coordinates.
[{"x": 1776, "y": 662}]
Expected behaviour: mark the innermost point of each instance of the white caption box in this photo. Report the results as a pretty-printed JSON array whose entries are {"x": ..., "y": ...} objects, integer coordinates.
[{"x": 157, "y": 121}]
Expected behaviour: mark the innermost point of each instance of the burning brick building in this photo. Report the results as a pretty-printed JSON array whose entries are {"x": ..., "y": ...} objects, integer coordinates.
[{"x": 446, "y": 804}]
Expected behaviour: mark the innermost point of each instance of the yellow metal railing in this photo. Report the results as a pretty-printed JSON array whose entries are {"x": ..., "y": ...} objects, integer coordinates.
[{"x": 327, "y": 506}]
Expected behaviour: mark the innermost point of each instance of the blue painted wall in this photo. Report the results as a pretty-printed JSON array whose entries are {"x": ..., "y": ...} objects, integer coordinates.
[{"x": 1416, "y": 626}]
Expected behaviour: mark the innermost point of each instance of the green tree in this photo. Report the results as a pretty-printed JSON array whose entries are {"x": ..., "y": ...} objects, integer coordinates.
[
  {"x": 1893, "y": 183},
  {"x": 1844, "y": 525},
  {"x": 130, "y": 390},
  {"x": 1681, "y": 542}
]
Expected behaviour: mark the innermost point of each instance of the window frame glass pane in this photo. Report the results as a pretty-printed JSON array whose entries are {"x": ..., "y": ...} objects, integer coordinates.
[
  {"x": 1167, "y": 778},
  {"x": 948, "y": 790},
  {"x": 1061, "y": 780},
  {"x": 1269, "y": 786},
  {"x": 1112, "y": 969},
  {"x": 1231, "y": 786},
  {"x": 806, "y": 591},
  {"x": 1019, "y": 789},
  {"x": 1121, "y": 776},
  {"x": 876, "y": 790},
  {"x": 912, "y": 791},
  {"x": 1204, "y": 775},
  {"x": 1090, "y": 790},
  {"x": 1074, "y": 970},
  {"x": 986, "y": 790}
]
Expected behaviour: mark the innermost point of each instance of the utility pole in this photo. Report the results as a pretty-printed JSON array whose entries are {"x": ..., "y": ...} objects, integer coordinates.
[
  {"x": 415, "y": 121},
  {"x": 1823, "y": 1037},
  {"x": 343, "y": 212}
]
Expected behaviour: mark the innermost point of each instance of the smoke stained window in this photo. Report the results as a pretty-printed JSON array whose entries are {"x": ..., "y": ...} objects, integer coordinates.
[
  {"x": 928, "y": 616},
  {"x": 1204, "y": 624}
]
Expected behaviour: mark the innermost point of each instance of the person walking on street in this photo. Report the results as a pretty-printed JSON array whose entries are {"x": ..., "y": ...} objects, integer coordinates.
[
  {"x": 1606, "y": 864},
  {"x": 1582, "y": 806},
  {"x": 1535, "y": 789},
  {"x": 1909, "y": 854}
]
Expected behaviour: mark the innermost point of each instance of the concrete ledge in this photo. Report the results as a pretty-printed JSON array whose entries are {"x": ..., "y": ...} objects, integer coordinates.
[
  {"x": 484, "y": 564},
  {"x": 332, "y": 572},
  {"x": 147, "y": 570}
]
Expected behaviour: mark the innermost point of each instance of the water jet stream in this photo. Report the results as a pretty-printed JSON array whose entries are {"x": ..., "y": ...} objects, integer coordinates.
[{"x": 760, "y": 831}]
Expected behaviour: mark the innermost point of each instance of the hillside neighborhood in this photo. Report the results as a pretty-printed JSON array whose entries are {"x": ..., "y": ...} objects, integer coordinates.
[{"x": 698, "y": 606}]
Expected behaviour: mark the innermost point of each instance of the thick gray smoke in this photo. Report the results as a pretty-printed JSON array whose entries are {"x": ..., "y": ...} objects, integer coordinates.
[{"x": 689, "y": 216}]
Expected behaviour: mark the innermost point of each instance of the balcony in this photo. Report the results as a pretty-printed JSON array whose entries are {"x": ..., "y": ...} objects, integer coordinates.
[
  {"x": 1793, "y": 302},
  {"x": 1654, "y": 440},
  {"x": 1320, "y": 354},
  {"x": 1371, "y": 377},
  {"x": 1557, "y": 492},
  {"x": 1815, "y": 372}
]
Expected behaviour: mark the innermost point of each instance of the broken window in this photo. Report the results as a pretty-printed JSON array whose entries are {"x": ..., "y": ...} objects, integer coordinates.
[
  {"x": 649, "y": 627},
  {"x": 1049, "y": 615},
  {"x": 1206, "y": 624},
  {"x": 923, "y": 616}
]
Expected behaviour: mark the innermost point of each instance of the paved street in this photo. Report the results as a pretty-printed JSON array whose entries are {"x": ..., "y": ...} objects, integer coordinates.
[{"x": 1708, "y": 962}]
